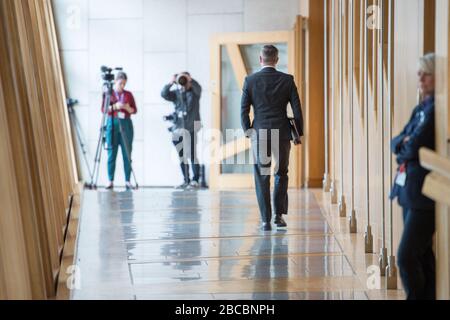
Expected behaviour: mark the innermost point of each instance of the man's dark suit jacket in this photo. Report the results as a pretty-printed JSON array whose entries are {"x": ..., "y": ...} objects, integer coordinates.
[{"x": 270, "y": 92}]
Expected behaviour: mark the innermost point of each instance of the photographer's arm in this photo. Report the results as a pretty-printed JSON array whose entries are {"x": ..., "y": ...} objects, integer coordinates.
[
  {"x": 196, "y": 88},
  {"x": 167, "y": 94}
]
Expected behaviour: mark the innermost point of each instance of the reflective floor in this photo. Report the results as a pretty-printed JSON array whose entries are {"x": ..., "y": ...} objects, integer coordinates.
[{"x": 204, "y": 245}]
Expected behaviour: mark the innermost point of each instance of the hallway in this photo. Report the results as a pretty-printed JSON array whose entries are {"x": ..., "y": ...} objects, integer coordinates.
[
  {"x": 164, "y": 244},
  {"x": 361, "y": 70}
]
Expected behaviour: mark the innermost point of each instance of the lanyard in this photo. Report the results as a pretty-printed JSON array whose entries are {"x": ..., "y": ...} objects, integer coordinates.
[{"x": 119, "y": 97}]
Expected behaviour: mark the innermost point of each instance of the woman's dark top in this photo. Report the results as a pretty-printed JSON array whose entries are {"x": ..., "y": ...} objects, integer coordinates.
[{"x": 421, "y": 133}]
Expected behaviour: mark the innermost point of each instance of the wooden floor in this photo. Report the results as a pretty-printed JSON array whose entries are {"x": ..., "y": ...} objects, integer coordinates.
[{"x": 204, "y": 245}]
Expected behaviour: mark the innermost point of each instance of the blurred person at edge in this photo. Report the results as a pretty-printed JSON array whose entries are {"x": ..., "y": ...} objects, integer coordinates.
[{"x": 416, "y": 259}]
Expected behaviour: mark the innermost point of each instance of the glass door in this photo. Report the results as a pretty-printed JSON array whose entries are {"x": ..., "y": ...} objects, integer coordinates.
[{"x": 234, "y": 57}]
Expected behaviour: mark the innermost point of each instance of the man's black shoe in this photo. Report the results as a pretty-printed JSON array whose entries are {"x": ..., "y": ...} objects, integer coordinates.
[
  {"x": 266, "y": 227},
  {"x": 279, "y": 221}
]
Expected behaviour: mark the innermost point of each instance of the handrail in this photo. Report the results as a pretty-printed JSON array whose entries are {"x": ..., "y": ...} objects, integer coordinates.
[
  {"x": 434, "y": 162},
  {"x": 437, "y": 183}
]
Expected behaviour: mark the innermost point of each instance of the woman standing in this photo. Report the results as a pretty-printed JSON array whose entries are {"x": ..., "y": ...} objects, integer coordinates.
[
  {"x": 122, "y": 107},
  {"x": 415, "y": 256}
]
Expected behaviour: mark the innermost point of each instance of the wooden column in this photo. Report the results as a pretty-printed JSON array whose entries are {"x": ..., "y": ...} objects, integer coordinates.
[
  {"x": 37, "y": 159},
  {"x": 442, "y": 145},
  {"x": 314, "y": 100}
]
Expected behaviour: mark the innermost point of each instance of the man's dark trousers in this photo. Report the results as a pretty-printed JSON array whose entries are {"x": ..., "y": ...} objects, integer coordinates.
[{"x": 264, "y": 149}]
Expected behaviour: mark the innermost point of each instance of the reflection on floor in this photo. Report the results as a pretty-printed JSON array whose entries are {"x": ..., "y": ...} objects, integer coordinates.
[{"x": 164, "y": 244}]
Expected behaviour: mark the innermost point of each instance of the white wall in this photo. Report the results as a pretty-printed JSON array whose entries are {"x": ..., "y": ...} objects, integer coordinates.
[{"x": 151, "y": 39}]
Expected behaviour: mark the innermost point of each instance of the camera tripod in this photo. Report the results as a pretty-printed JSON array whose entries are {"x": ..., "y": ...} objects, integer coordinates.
[
  {"x": 78, "y": 131},
  {"x": 108, "y": 86}
]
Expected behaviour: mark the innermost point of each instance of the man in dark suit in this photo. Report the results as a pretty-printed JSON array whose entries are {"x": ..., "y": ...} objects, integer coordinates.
[{"x": 269, "y": 92}]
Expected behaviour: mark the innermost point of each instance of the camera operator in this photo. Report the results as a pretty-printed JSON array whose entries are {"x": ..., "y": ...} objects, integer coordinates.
[
  {"x": 122, "y": 107},
  {"x": 186, "y": 98}
]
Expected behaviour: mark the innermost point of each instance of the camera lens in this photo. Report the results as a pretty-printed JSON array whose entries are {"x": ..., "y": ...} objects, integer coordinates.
[{"x": 182, "y": 80}]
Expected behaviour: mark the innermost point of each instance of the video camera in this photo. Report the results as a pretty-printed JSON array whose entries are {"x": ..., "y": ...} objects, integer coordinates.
[
  {"x": 174, "y": 117},
  {"x": 107, "y": 73}
]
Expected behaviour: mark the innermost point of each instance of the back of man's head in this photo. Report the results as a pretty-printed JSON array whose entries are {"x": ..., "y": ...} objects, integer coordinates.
[{"x": 269, "y": 55}]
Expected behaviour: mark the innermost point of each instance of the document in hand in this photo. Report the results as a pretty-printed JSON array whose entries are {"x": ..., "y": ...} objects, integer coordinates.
[{"x": 296, "y": 137}]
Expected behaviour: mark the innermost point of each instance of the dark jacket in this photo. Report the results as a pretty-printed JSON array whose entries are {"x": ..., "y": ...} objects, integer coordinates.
[
  {"x": 269, "y": 92},
  {"x": 421, "y": 133},
  {"x": 187, "y": 103}
]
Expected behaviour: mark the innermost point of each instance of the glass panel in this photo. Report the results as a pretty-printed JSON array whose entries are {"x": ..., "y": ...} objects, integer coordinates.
[
  {"x": 250, "y": 54},
  {"x": 239, "y": 164},
  {"x": 231, "y": 100},
  {"x": 231, "y": 117}
]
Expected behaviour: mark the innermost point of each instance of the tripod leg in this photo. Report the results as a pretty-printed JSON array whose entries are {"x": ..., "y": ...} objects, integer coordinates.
[
  {"x": 97, "y": 160},
  {"x": 81, "y": 141},
  {"x": 100, "y": 144}
]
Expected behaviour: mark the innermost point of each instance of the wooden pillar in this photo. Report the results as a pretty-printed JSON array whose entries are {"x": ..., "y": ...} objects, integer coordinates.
[
  {"x": 442, "y": 145},
  {"x": 36, "y": 152},
  {"x": 429, "y": 25},
  {"x": 314, "y": 100},
  {"x": 14, "y": 274}
]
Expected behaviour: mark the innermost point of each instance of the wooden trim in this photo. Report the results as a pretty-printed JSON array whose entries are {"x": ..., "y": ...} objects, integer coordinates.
[
  {"x": 437, "y": 185},
  {"x": 429, "y": 34},
  {"x": 357, "y": 51},
  {"x": 434, "y": 162},
  {"x": 237, "y": 62},
  {"x": 314, "y": 111},
  {"x": 251, "y": 37},
  {"x": 442, "y": 148},
  {"x": 301, "y": 69},
  {"x": 70, "y": 245},
  {"x": 314, "y": 183},
  {"x": 15, "y": 277}
]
